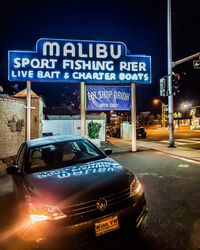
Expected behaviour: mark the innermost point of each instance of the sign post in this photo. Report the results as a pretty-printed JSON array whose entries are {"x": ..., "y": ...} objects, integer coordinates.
[
  {"x": 133, "y": 117},
  {"x": 28, "y": 110},
  {"x": 83, "y": 115}
]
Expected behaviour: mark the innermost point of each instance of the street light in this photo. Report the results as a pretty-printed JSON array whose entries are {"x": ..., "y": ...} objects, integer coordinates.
[
  {"x": 156, "y": 102},
  {"x": 186, "y": 105}
]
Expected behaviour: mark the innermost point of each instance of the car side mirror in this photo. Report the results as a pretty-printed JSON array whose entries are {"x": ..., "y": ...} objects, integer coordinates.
[
  {"x": 12, "y": 170},
  {"x": 108, "y": 151}
]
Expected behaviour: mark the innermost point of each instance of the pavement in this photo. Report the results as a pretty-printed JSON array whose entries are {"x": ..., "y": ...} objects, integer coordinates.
[{"x": 120, "y": 145}]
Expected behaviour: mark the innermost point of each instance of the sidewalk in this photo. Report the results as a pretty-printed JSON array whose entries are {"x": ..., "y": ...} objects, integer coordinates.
[
  {"x": 119, "y": 145},
  {"x": 188, "y": 153}
]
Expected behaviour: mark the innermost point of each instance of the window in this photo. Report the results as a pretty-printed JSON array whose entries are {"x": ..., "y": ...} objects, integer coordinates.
[
  {"x": 21, "y": 157},
  {"x": 62, "y": 154}
]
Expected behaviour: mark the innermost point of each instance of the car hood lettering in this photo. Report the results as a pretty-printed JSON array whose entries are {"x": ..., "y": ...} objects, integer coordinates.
[
  {"x": 85, "y": 169},
  {"x": 83, "y": 181}
]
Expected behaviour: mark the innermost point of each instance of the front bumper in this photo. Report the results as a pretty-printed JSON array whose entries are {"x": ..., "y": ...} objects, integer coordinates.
[{"x": 50, "y": 235}]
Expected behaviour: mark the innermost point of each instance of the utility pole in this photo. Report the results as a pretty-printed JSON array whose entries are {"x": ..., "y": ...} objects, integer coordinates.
[
  {"x": 169, "y": 59},
  {"x": 83, "y": 113},
  {"x": 172, "y": 64},
  {"x": 133, "y": 117},
  {"x": 28, "y": 110}
]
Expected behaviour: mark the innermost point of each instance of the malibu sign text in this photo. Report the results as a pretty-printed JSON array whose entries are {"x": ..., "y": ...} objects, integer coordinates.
[{"x": 59, "y": 60}]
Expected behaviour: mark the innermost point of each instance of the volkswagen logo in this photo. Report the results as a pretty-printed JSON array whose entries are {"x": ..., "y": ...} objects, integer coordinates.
[{"x": 101, "y": 204}]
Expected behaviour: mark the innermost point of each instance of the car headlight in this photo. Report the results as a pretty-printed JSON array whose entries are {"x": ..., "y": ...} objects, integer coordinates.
[
  {"x": 43, "y": 212},
  {"x": 135, "y": 187}
]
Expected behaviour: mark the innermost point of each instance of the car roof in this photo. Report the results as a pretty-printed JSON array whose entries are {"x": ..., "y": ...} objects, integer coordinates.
[{"x": 51, "y": 139}]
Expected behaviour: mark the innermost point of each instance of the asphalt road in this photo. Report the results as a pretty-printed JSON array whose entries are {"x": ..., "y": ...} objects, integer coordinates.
[
  {"x": 187, "y": 138},
  {"x": 172, "y": 193},
  {"x": 162, "y": 133},
  {"x": 172, "y": 189}
]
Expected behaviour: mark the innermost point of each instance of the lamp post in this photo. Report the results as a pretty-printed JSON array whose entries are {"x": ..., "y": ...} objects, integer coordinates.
[
  {"x": 172, "y": 64},
  {"x": 156, "y": 101},
  {"x": 169, "y": 61}
]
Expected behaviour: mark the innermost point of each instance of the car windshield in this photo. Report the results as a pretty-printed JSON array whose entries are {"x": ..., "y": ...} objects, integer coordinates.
[{"x": 61, "y": 154}]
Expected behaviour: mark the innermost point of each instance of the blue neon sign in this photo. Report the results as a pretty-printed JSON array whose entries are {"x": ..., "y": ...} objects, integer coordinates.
[
  {"x": 108, "y": 98},
  {"x": 63, "y": 60}
]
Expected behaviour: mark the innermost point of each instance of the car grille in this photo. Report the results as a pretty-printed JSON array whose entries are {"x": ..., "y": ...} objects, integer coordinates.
[{"x": 87, "y": 210}]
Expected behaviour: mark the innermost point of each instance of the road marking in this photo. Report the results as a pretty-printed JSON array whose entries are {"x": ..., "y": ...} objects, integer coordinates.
[
  {"x": 196, "y": 138},
  {"x": 150, "y": 174},
  {"x": 183, "y": 166},
  {"x": 191, "y": 140},
  {"x": 181, "y": 142},
  {"x": 141, "y": 175},
  {"x": 184, "y": 159}
]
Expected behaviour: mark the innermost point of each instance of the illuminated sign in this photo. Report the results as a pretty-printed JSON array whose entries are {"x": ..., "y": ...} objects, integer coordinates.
[
  {"x": 63, "y": 60},
  {"x": 85, "y": 169},
  {"x": 108, "y": 97}
]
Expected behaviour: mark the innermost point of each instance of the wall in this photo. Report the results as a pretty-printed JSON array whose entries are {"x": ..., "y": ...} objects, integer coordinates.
[
  {"x": 69, "y": 127},
  {"x": 12, "y": 125},
  {"x": 125, "y": 131}
]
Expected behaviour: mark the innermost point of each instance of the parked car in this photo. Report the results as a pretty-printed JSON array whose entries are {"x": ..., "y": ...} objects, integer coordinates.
[
  {"x": 141, "y": 132},
  {"x": 66, "y": 186},
  {"x": 114, "y": 131}
]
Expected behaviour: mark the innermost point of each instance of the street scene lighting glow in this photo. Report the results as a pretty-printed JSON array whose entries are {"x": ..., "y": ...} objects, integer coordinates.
[
  {"x": 156, "y": 101},
  {"x": 186, "y": 105},
  {"x": 100, "y": 125}
]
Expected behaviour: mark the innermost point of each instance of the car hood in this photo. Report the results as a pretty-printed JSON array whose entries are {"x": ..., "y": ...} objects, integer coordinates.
[{"x": 79, "y": 183}]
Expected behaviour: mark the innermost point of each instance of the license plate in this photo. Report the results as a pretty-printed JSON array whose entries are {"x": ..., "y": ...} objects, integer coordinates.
[{"x": 106, "y": 225}]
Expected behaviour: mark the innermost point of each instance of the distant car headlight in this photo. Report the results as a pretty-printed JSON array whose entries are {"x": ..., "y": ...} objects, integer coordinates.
[
  {"x": 135, "y": 187},
  {"x": 43, "y": 212}
]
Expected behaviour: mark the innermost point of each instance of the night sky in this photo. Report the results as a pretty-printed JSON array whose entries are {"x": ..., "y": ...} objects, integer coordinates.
[{"x": 141, "y": 25}]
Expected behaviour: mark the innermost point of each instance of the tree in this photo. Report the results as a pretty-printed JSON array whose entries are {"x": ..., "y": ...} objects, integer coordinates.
[{"x": 93, "y": 130}]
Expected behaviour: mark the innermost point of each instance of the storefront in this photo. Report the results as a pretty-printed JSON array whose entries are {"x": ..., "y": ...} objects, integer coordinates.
[{"x": 183, "y": 123}]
